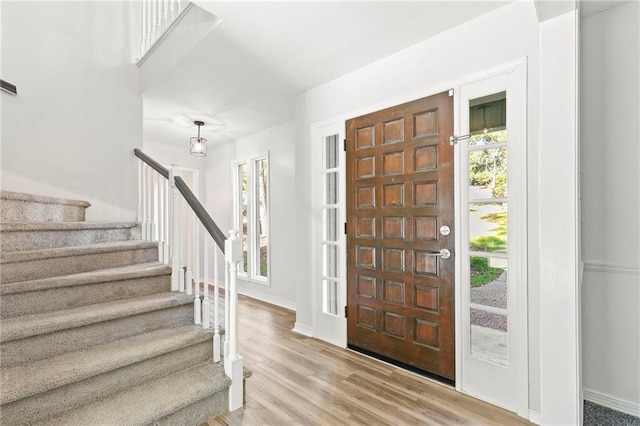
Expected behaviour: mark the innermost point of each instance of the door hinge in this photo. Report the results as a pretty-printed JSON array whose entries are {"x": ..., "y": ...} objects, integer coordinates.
[
  {"x": 344, "y": 144},
  {"x": 346, "y": 311},
  {"x": 451, "y": 92},
  {"x": 345, "y": 228}
]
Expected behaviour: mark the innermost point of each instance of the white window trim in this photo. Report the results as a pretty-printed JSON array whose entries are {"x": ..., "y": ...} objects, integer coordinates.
[{"x": 252, "y": 218}]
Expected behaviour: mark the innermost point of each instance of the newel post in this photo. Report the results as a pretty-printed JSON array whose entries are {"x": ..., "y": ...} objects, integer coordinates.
[{"x": 233, "y": 362}]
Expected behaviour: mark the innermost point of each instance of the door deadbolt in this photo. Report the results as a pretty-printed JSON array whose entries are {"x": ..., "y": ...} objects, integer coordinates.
[{"x": 445, "y": 230}]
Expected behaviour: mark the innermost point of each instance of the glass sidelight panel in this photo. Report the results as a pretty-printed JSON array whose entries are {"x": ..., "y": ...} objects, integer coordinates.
[
  {"x": 331, "y": 152},
  {"x": 330, "y": 261},
  {"x": 489, "y": 338},
  {"x": 488, "y": 281},
  {"x": 330, "y": 292},
  {"x": 331, "y": 188},
  {"x": 488, "y": 173},
  {"x": 330, "y": 224},
  {"x": 488, "y": 227}
]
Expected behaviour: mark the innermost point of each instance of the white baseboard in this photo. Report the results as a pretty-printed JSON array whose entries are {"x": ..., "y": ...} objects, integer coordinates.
[
  {"x": 534, "y": 416},
  {"x": 287, "y": 304},
  {"x": 302, "y": 329},
  {"x": 612, "y": 402}
]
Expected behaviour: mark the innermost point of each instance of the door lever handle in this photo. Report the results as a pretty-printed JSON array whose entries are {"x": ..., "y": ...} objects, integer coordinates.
[{"x": 444, "y": 253}]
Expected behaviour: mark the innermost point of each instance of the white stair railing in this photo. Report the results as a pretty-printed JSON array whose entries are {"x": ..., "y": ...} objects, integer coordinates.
[
  {"x": 171, "y": 215},
  {"x": 157, "y": 16}
]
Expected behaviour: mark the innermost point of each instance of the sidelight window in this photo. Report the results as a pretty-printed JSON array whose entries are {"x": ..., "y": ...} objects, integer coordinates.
[
  {"x": 487, "y": 214},
  {"x": 330, "y": 225}
]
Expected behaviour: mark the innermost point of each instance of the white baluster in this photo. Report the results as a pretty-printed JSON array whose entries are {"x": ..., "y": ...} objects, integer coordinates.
[
  {"x": 155, "y": 235},
  {"x": 154, "y": 21},
  {"x": 143, "y": 222},
  {"x": 165, "y": 17},
  {"x": 187, "y": 280},
  {"x": 189, "y": 234},
  {"x": 197, "y": 304},
  {"x": 140, "y": 193},
  {"x": 206, "y": 314},
  {"x": 149, "y": 203},
  {"x": 143, "y": 25},
  {"x": 233, "y": 364},
  {"x": 161, "y": 219},
  {"x": 226, "y": 306},
  {"x": 181, "y": 244},
  {"x": 216, "y": 320},
  {"x": 167, "y": 236},
  {"x": 175, "y": 230}
]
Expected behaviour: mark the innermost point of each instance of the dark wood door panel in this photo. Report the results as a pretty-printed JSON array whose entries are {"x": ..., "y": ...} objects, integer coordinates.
[{"x": 399, "y": 193}]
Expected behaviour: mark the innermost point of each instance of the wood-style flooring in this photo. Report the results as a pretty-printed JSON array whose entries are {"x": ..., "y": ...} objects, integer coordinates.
[{"x": 298, "y": 380}]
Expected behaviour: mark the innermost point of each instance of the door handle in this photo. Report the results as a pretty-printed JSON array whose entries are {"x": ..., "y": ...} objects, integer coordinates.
[{"x": 444, "y": 253}]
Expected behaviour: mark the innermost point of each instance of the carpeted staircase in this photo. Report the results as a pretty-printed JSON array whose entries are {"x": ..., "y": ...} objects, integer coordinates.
[{"x": 90, "y": 333}]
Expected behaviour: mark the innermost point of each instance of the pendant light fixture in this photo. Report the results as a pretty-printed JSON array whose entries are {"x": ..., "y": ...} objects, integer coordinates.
[{"x": 198, "y": 144}]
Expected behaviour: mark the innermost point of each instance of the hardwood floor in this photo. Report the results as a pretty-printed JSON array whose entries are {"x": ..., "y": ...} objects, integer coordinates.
[{"x": 303, "y": 381}]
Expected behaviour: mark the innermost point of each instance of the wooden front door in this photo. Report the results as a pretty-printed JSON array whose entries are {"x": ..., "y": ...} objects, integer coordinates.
[{"x": 399, "y": 195}]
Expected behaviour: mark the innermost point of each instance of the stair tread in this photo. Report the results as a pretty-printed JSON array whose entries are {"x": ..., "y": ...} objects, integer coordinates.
[
  {"x": 34, "y": 198},
  {"x": 63, "y": 226},
  {"x": 23, "y": 256},
  {"x": 150, "y": 401},
  {"x": 34, "y": 324},
  {"x": 28, "y": 379},
  {"x": 92, "y": 277}
]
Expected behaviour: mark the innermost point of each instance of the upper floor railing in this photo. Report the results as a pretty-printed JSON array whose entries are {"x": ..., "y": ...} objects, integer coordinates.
[
  {"x": 157, "y": 17},
  {"x": 172, "y": 215}
]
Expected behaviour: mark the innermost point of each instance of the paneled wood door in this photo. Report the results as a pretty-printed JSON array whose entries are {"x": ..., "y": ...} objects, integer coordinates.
[{"x": 399, "y": 195}]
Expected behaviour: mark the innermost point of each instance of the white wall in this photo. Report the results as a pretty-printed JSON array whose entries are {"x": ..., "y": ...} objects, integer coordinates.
[
  {"x": 169, "y": 155},
  {"x": 279, "y": 141},
  {"x": 72, "y": 128},
  {"x": 477, "y": 45},
  {"x": 559, "y": 222},
  {"x": 610, "y": 116}
]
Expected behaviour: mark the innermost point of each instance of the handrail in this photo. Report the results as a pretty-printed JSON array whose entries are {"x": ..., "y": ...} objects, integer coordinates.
[
  {"x": 152, "y": 163},
  {"x": 206, "y": 220}
]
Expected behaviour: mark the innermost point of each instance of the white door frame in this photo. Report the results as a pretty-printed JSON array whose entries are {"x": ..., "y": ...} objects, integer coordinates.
[
  {"x": 477, "y": 375},
  {"x": 518, "y": 66}
]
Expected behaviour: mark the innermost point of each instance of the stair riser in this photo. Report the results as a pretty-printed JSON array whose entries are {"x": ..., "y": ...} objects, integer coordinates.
[
  {"x": 45, "y": 239},
  {"x": 199, "y": 412},
  {"x": 56, "y": 401},
  {"x": 59, "y": 266},
  {"x": 29, "y": 211},
  {"x": 12, "y": 305},
  {"x": 42, "y": 346}
]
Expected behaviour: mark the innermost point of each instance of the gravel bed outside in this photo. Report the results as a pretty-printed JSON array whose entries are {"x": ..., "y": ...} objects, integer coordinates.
[{"x": 492, "y": 294}]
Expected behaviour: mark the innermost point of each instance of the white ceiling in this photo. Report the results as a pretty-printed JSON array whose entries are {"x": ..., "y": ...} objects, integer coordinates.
[{"x": 244, "y": 75}]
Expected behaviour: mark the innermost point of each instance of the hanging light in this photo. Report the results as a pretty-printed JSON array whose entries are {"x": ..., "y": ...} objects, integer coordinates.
[{"x": 198, "y": 144}]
